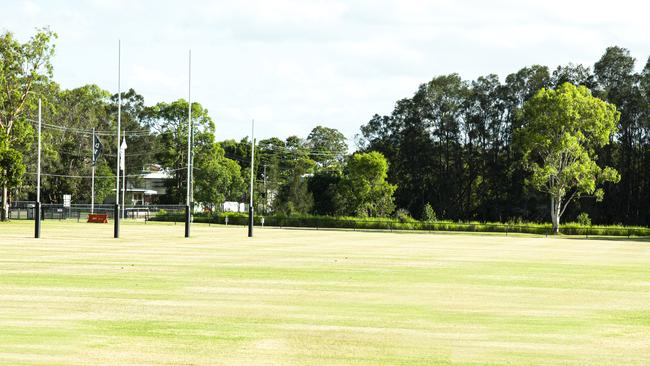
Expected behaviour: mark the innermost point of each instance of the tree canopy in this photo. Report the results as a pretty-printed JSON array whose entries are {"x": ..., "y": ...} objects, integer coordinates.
[
  {"x": 363, "y": 190},
  {"x": 561, "y": 132},
  {"x": 488, "y": 149},
  {"x": 24, "y": 69}
]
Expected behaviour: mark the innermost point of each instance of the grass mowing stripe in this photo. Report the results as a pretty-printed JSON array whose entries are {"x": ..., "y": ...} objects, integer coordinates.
[{"x": 292, "y": 297}]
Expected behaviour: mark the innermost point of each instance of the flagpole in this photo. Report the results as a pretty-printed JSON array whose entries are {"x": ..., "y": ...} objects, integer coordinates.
[
  {"x": 116, "y": 227},
  {"x": 92, "y": 179}
]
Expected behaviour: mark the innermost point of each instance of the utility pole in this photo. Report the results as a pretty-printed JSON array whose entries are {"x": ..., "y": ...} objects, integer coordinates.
[
  {"x": 116, "y": 213},
  {"x": 37, "y": 206},
  {"x": 188, "y": 199},
  {"x": 250, "y": 204}
]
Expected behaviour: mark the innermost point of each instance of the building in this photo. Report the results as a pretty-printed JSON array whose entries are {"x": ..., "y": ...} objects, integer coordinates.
[{"x": 148, "y": 187}]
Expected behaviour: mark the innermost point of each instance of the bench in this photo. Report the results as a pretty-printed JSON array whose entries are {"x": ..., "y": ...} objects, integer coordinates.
[{"x": 98, "y": 218}]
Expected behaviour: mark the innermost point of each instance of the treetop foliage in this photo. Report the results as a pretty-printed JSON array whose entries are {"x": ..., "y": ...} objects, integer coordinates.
[{"x": 488, "y": 149}]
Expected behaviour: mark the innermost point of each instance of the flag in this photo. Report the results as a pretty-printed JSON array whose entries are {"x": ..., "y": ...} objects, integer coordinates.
[
  {"x": 122, "y": 153},
  {"x": 98, "y": 149}
]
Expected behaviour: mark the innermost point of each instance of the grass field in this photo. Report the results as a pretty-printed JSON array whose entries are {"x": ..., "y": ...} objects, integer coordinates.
[{"x": 301, "y": 297}]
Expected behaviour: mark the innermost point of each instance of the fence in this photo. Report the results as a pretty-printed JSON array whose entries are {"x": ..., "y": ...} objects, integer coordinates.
[
  {"x": 25, "y": 211},
  {"x": 176, "y": 213}
]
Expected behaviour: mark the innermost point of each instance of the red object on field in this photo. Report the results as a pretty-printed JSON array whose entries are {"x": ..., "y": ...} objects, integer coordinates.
[{"x": 98, "y": 218}]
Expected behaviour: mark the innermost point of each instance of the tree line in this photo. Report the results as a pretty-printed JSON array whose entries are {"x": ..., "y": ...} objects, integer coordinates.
[
  {"x": 456, "y": 149},
  {"x": 453, "y": 145},
  {"x": 289, "y": 173}
]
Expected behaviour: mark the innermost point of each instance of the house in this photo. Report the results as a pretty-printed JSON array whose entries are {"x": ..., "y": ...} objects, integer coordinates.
[
  {"x": 231, "y": 206},
  {"x": 147, "y": 188},
  {"x": 154, "y": 178}
]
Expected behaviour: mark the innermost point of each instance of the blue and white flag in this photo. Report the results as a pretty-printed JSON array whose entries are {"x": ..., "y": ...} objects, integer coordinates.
[{"x": 98, "y": 149}]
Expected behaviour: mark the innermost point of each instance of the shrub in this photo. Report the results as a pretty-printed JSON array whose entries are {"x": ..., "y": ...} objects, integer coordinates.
[
  {"x": 402, "y": 215},
  {"x": 583, "y": 219},
  {"x": 428, "y": 214},
  {"x": 403, "y": 221}
]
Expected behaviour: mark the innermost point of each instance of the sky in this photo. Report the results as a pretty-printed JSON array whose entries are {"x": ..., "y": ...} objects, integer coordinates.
[{"x": 293, "y": 65}]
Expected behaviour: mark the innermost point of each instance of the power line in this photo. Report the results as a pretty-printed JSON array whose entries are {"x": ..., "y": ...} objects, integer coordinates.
[
  {"x": 99, "y": 176},
  {"x": 83, "y": 131},
  {"x": 87, "y": 155}
]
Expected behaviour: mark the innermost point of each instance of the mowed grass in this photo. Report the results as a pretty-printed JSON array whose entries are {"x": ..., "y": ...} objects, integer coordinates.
[{"x": 305, "y": 297}]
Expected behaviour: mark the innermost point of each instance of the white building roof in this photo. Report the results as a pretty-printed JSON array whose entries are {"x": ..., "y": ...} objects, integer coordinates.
[{"x": 163, "y": 174}]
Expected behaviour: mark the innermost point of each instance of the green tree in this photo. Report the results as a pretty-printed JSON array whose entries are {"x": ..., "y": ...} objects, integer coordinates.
[
  {"x": 294, "y": 197},
  {"x": 574, "y": 74},
  {"x": 322, "y": 186},
  {"x": 104, "y": 187},
  {"x": 428, "y": 214},
  {"x": 363, "y": 190},
  {"x": 562, "y": 128},
  {"x": 169, "y": 121},
  {"x": 296, "y": 167},
  {"x": 67, "y": 150},
  {"x": 23, "y": 66},
  {"x": 270, "y": 153},
  {"x": 139, "y": 136},
  {"x": 422, "y": 140},
  {"x": 216, "y": 178},
  {"x": 11, "y": 167},
  {"x": 328, "y": 147},
  {"x": 617, "y": 83}
]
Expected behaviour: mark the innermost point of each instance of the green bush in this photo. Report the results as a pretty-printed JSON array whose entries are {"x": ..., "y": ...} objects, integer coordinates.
[
  {"x": 584, "y": 219},
  {"x": 403, "y": 216},
  {"x": 404, "y": 222},
  {"x": 428, "y": 214}
]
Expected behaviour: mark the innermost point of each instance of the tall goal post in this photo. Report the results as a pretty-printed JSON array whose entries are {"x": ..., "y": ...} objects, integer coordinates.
[
  {"x": 116, "y": 213},
  {"x": 250, "y": 195},
  {"x": 37, "y": 205},
  {"x": 188, "y": 198}
]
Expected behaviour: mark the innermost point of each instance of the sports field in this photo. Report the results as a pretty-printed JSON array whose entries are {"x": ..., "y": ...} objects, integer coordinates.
[{"x": 305, "y": 297}]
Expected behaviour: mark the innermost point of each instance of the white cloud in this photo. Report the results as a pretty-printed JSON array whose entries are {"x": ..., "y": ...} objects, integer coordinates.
[{"x": 292, "y": 64}]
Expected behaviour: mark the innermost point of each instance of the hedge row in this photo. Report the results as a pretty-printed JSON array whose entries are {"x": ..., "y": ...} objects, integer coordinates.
[{"x": 394, "y": 224}]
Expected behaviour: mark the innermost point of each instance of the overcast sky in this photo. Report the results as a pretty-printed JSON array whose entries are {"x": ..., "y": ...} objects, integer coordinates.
[{"x": 292, "y": 65}]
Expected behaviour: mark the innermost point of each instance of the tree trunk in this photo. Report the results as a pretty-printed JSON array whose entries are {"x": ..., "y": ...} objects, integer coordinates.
[
  {"x": 555, "y": 214},
  {"x": 4, "y": 213}
]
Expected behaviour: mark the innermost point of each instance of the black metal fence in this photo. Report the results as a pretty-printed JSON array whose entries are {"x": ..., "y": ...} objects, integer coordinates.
[{"x": 24, "y": 210}]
